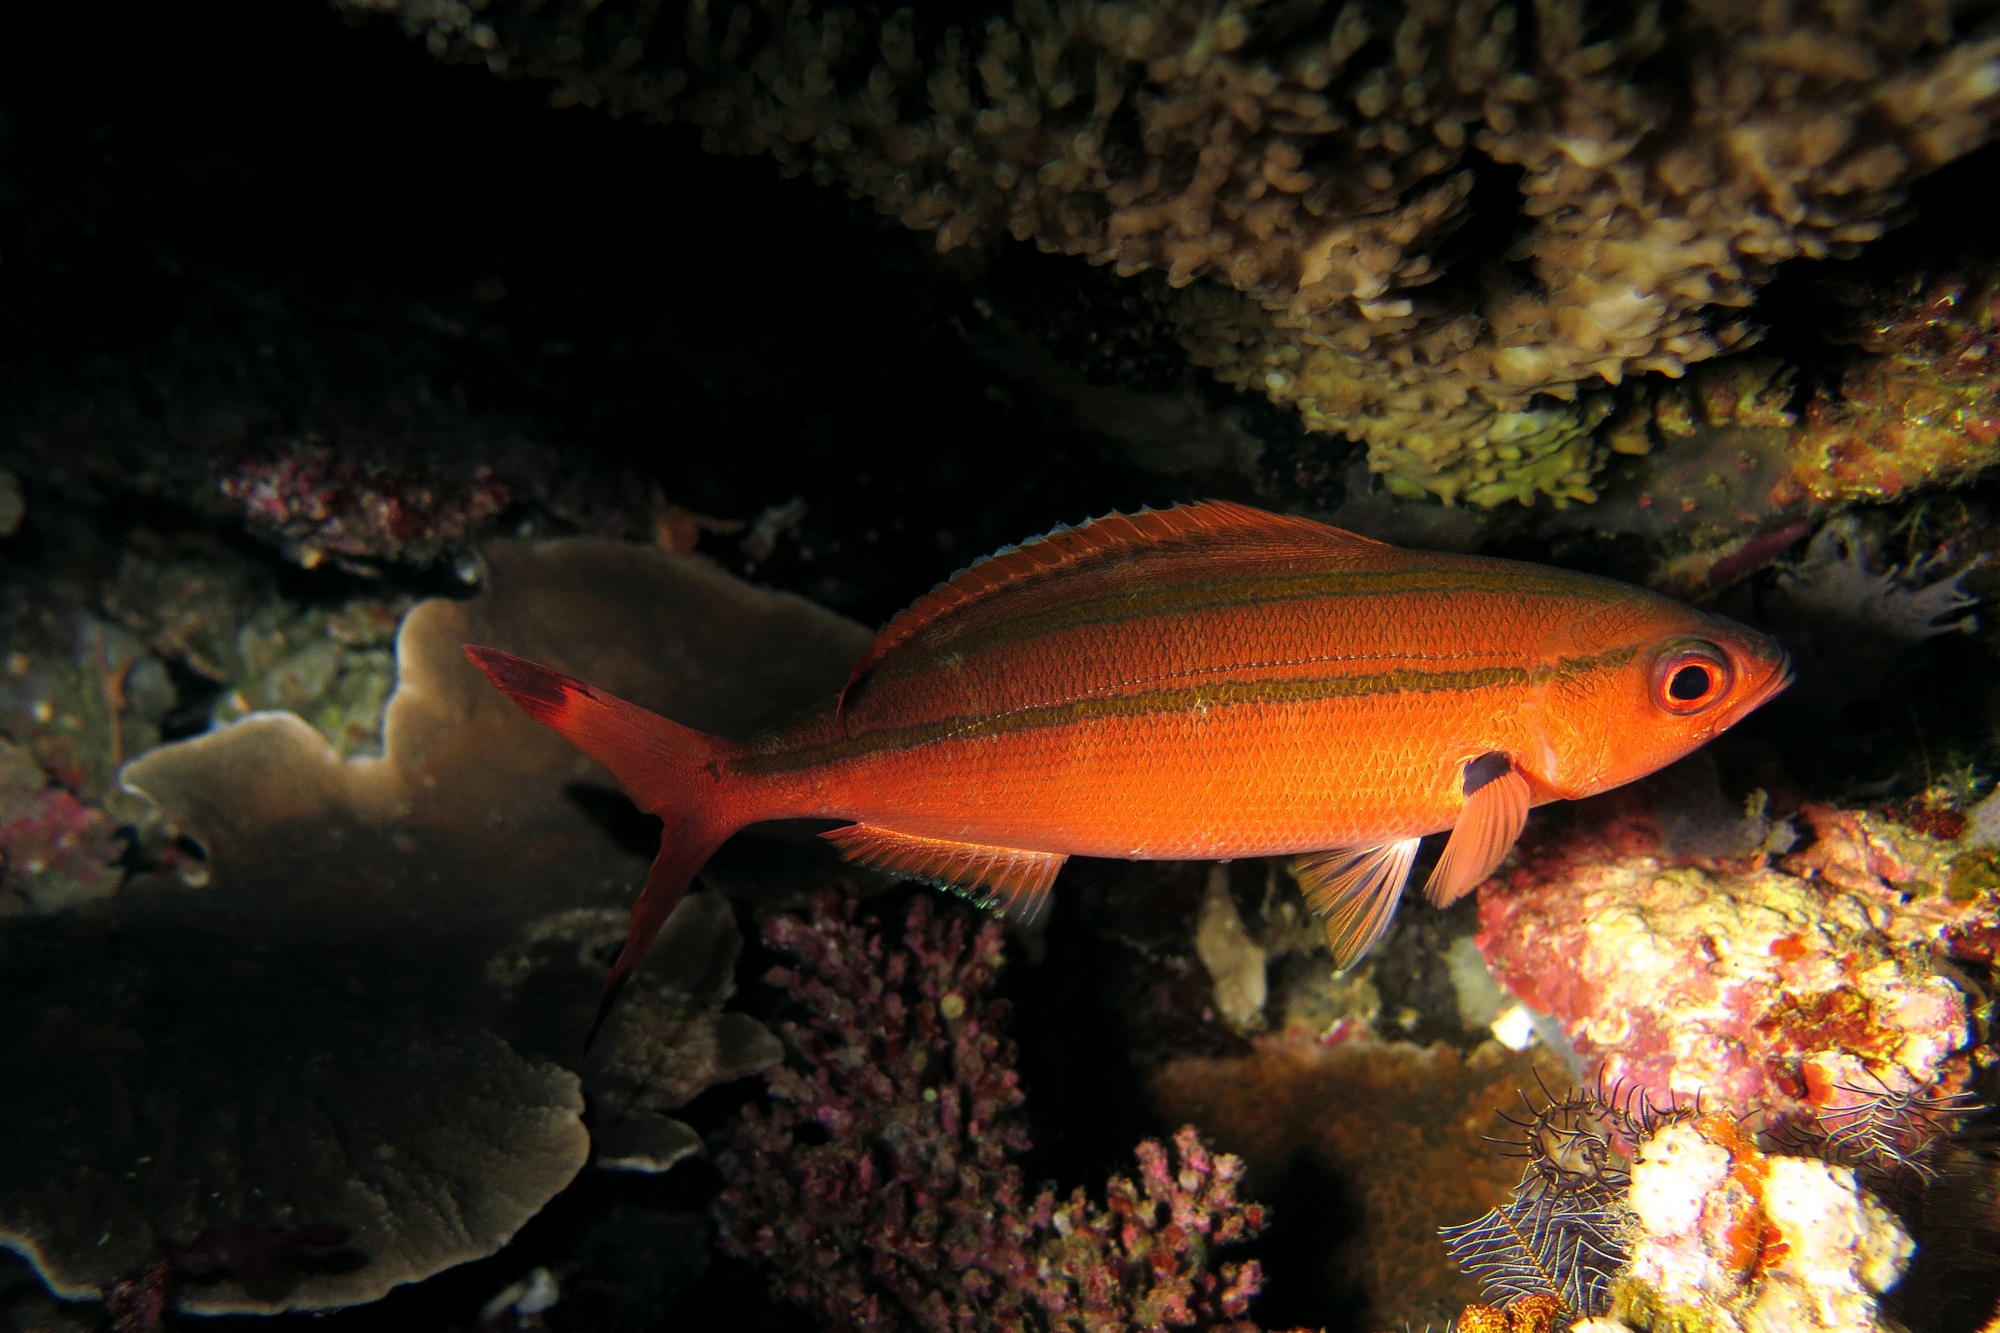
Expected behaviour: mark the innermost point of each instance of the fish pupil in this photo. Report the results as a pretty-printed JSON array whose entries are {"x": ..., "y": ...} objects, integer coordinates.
[{"x": 1689, "y": 683}]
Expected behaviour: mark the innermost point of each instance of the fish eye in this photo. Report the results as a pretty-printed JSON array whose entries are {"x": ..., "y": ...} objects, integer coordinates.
[{"x": 1690, "y": 677}]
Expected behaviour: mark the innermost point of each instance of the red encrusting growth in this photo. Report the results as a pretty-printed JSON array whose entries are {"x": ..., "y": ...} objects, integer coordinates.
[{"x": 1747, "y": 1235}]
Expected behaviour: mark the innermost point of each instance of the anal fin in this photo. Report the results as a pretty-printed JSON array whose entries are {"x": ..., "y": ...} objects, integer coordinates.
[
  {"x": 1356, "y": 889},
  {"x": 1496, "y": 810},
  {"x": 1010, "y": 881}
]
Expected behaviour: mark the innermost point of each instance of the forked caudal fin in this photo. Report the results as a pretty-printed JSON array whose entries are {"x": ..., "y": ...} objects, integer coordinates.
[{"x": 667, "y": 769}]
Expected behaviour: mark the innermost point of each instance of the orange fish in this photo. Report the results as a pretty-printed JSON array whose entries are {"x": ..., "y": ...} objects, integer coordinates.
[{"x": 1207, "y": 681}]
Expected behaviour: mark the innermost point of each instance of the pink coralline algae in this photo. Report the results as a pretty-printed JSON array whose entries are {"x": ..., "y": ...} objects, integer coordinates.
[
  {"x": 138, "y": 1300},
  {"x": 1802, "y": 987},
  {"x": 358, "y": 512},
  {"x": 882, "y": 1183},
  {"x": 54, "y": 849}
]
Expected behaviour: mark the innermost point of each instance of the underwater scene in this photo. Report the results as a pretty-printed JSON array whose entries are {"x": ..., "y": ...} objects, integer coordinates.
[{"x": 1076, "y": 666}]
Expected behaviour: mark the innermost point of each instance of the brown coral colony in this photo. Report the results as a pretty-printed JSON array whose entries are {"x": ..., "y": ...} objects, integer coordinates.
[{"x": 1300, "y": 170}]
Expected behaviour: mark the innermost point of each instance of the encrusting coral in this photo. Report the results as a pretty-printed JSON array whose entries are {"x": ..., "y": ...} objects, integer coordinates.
[
  {"x": 1795, "y": 985},
  {"x": 1314, "y": 161},
  {"x": 882, "y": 1182},
  {"x": 369, "y": 1015},
  {"x": 1730, "y": 1238},
  {"x": 1665, "y": 1219},
  {"x": 1923, "y": 406}
]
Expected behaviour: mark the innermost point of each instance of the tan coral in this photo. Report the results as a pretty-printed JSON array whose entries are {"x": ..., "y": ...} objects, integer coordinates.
[
  {"x": 1400, "y": 1126},
  {"x": 371, "y": 1013},
  {"x": 1313, "y": 160}
]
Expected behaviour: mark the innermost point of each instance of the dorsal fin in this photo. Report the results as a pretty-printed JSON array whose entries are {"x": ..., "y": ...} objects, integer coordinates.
[
  {"x": 1107, "y": 538},
  {"x": 1012, "y": 882}
]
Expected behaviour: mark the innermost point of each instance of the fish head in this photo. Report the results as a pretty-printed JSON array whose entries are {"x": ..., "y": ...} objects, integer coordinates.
[{"x": 1649, "y": 683}]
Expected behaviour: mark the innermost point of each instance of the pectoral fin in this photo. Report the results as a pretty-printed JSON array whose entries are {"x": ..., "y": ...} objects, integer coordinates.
[
  {"x": 1356, "y": 889},
  {"x": 1496, "y": 808}
]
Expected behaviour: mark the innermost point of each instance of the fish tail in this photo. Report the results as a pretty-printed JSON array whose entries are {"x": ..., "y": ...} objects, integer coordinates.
[{"x": 667, "y": 769}]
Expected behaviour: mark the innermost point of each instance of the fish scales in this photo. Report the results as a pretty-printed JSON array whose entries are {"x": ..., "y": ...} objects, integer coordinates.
[
  {"x": 1208, "y": 681},
  {"x": 1290, "y": 692}
]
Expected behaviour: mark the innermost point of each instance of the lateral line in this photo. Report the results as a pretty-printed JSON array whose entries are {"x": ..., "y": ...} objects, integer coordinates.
[{"x": 1221, "y": 694}]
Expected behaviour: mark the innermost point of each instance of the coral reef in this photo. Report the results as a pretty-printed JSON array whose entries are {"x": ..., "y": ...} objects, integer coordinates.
[
  {"x": 1722, "y": 454},
  {"x": 1391, "y": 1130},
  {"x": 138, "y": 1301},
  {"x": 1232, "y": 956},
  {"x": 12, "y": 504},
  {"x": 55, "y": 851},
  {"x": 350, "y": 510},
  {"x": 78, "y": 693},
  {"x": 882, "y": 1183},
  {"x": 79, "y": 696},
  {"x": 370, "y": 1014},
  {"x": 1847, "y": 624},
  {"x": 1316, "y": 164},
  {"x": 1561, "y": 1233},
  {"x": 1921, "y": 409},
  {"x": 1637, "y": 1217},
  {"x": 1757, "y": 984},
  {"x": 207, "y": 608},
  {"x": 1729, "y": 1238},
  {"x": 670, "y": 1040}
]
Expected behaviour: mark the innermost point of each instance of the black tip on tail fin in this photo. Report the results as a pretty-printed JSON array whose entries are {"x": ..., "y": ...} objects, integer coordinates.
[
  {"x": 614, "y": 986},
  {"x": 541, "y": 693}
]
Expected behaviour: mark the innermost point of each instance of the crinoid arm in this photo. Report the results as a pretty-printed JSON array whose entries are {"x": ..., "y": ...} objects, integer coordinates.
[
  {"x": 1561, "y": 1231},
  {"x": 1883, "y": 1132},
  {"x": 1543, "y": 1242}
]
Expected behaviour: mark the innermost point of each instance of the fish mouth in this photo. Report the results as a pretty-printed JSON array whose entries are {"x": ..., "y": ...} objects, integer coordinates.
[{"x": 1776, "y": 684}]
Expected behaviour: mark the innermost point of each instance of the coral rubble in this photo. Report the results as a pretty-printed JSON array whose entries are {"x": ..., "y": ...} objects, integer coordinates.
[
  {"x": 882, "y": 1183},
  {"x": 1316, "y": 161},
  {"x": 370, "y": 1013}
]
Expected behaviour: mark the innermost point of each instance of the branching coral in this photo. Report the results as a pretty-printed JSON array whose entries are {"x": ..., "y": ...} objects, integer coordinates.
[
  {"x": 882, "y": 1184},
  {"x": 1315, "y": 160}
]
